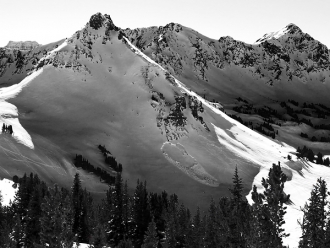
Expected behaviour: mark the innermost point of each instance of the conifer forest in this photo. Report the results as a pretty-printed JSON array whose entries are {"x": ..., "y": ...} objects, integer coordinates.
[{"x": 50, "y": 216}]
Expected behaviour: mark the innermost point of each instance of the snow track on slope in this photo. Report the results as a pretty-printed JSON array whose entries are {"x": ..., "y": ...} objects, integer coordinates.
[
  {"x": 9, "y": 113},
  {"x": 254, "y": 147}
]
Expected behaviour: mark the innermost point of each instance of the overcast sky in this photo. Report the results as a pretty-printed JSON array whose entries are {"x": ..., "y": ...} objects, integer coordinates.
[{"x": 47, "y": 21}]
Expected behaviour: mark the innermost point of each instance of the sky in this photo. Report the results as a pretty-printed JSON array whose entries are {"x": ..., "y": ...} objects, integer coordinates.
[{"x": 48, "y": 21}]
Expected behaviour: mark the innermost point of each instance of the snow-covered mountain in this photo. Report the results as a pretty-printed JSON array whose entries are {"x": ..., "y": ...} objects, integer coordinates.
[{"x": 144, "y": 94}]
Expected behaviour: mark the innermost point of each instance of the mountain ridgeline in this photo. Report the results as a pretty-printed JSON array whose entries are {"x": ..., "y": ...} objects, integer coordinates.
[
  {"x": 176, "y": 108},
  {"x": 288, "y": 59}
]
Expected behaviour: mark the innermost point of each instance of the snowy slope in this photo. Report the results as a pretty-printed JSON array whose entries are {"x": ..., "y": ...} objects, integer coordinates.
[
  {"x": 249, "y": 145},
  {"x": 100, "y": 87},
  {"x": 7, "y": 191},
  {"x": 291, "y": 28},
  {"x": 9, "y": 113}
]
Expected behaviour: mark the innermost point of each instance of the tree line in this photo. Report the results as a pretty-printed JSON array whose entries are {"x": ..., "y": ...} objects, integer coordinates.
[
  {"x": 308, "y": 153},
  {"x": 110, "y": 160},
  {"x": 80, "y": 162},
  {"x": 51, "y": 216}
]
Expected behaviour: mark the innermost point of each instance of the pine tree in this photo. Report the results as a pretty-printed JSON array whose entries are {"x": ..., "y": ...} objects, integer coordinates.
[
  {"x": 240, "y": 214},
  {"x": 127, "y": 216},
  {"x": 327, "y": 228},
  {"x": 211, "y": 229},
  {"x": 183, "y": 221},
  {"x": 319, "y": 159},
  {"x": 87, "y": 217},
  {"x": 77, "y": 205},
  {"x": 226, "y": 223},
  {"x": 171, "y": 224},
  {"x": 151, "y": 237},
  {"x": 125, "y": 243},
  {"x": 197, "y": 231},
  {"x": 140, "y": 213},
  {"x": 116, "y": 223},
  {"x": 22, "y": 196},
  {"x": 1, "y": 212},
  {"x": 17, "y": 235},
  {"x": 55, "y": 221},
  {"x": 3, "y": 224},
  {"x": 32, "y": 226},
  {"x": 237, "y": 190},
  {"x": 314, "y": 220},
  {"x": 98, "y": 238},
  {"x": 269, "y": 208}
]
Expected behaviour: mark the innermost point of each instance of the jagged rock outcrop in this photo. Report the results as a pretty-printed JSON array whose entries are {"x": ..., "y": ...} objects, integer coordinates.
[{"x": 22, "y": 45}]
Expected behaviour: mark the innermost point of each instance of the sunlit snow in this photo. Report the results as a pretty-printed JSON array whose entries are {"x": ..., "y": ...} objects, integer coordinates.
[{"x": 7, "y": 191}]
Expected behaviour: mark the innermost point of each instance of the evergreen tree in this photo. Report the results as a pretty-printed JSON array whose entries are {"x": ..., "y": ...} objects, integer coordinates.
[
  {"x": 127, "y": 210},
  {"x": 314, "y": 220},
  {"x": 240, "y": 214},
  {"x": 32, "y": 227},
  {"x": 116, "y": 224},
  {"x": 125, "y": 244},
  {"x": 140, "y": 213},
  {"x": 237, "y": 190},
  {"x": 196, "y": 235},
  {"x": 2, "y": 219},
  {"x": 151, "y": 237},
  {"x": 17, "y": 236},
  {"x": 183, "y": 223},
  {"x": 226, "y": 223},
  {"x": 98, "y": 238},
  {"x": 171, "y": 223},
  {"x": 4, "y": 227},
  {"x": 327, "y": 228},
  {"x": 87, "y": 219},
  {"x": 22, "y": 196},
  {"x": 77, "y": 207},
  {"x": 211, "y": 229},
  {"x": 319, "y": 159},
  {"x": 269, "y": 208},
  {"x": 56, "y": 224}
]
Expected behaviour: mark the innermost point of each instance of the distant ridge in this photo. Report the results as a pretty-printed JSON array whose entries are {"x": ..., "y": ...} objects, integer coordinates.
[{"x": 22, "y": 45}]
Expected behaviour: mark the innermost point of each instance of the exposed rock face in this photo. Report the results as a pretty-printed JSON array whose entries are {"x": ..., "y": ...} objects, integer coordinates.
[
  {"x": 98, "y": 20},
  {"x": 22, "y": 45}
]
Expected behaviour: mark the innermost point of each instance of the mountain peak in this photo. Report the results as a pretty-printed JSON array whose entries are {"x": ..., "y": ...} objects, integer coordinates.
[
  {"x": 292, "y": 28},
  {"x": 289, "y": 29},
  {"x": 98, "y": 20}
]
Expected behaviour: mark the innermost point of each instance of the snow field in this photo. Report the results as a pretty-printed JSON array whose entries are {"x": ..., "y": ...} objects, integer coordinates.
[{"x": 7, "y": 191}]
